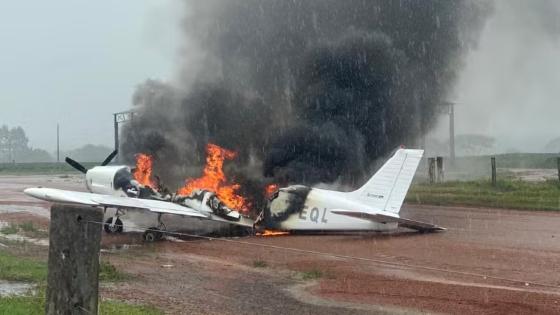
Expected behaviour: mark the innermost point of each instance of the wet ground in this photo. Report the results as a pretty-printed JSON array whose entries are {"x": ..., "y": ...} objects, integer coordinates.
[{"x": 490, "y": 261}]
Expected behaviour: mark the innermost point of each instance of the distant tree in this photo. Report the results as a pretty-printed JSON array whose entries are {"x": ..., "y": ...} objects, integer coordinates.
[
  {"x": 473, "y": 144},
  {"x": 13, "y": 144},
  {"x": 90, "y": 153},
  {"x": 553, "y": 145},
  {"x": 34, "y": 155}
]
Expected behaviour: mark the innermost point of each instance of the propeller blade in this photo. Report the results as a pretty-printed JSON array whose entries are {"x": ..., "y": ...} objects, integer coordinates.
[
  {"x": 76, "y": 165},
  {"x": 110, "y": 158}
]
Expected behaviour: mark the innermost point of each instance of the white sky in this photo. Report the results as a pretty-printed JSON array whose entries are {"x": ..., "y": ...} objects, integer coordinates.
[
  {"x": 76, "y": 62},
  {"x": 510, "y": 88}
]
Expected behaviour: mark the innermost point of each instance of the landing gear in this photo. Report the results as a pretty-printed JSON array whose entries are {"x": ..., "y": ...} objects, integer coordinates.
[
  {"x": 154, "y": 233},
  {"x": 113, "y": 225}
]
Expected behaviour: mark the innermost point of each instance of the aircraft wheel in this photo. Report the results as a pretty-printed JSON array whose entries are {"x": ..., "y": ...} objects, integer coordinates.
[
  {"x": 113, "y": 228},
  {"x": 151, "y": 235}
]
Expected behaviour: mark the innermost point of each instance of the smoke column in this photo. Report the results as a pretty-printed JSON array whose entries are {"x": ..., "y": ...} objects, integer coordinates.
[{"x": 307, "y": 91}]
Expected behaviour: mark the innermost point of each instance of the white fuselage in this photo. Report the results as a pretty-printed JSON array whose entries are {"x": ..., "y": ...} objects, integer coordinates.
[
  {"x": 298, "y": 208},
  {"x": 103, "y": 180}
]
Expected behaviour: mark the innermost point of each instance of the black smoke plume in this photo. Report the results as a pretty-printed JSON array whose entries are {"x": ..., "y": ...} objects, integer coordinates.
[{"x": 306, "y": 91}]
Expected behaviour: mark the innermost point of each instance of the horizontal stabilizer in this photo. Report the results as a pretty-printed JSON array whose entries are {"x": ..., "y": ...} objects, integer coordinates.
[{"x": 382, "y": 218}]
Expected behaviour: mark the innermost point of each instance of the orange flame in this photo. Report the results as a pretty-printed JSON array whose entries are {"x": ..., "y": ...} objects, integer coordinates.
[
  {"x": 272, "y": 233},
  {"x": 270, "y": 190},
  {"x": 143, "y": 172},
  {"x": 213, "y": 179}
]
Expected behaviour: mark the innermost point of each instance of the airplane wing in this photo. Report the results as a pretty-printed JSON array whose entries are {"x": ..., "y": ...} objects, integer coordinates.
[
  {"x": 381, "y": 218},
  {"x": 90, "y": 199}
]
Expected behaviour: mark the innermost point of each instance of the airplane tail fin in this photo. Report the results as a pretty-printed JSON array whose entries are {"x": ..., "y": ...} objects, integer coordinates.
[{"x": 387, "y": 189}]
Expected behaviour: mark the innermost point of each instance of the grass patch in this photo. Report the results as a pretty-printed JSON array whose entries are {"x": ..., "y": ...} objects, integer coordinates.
[
  {"x": 513, "y": 194},
  {"x": 28, "y": 229},
  {"x": 21, "y": 269},
  {"x": 27, "y": 226},
  {"x": 108, "y": 273},
  {"x": 312, "y": 274},
  {"x": 19, "y": 305},
  {"x": 9, "y": 229},
  {"x": 15, "y": 268},
  {"x": 260, "y": 264},
  {"x": 36, "y": 305},
  {"x": 39, "y": 168}
]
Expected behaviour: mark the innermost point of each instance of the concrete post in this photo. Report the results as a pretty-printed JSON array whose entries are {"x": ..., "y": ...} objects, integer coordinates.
[
  {"x": 440, "y": 174},
  {"x": 432, "y": 170},
  {"x": 558, "y": 166},
  {"x": 73, "y": 274}
]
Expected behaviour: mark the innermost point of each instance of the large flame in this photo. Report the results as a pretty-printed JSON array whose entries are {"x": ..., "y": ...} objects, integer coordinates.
[
  {"x": 213, "y": 179},
  {"x": 143, "y": 172}
]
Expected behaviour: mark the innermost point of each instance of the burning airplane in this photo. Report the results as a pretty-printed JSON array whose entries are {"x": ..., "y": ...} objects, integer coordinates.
[{"x": 374, "y": 207}]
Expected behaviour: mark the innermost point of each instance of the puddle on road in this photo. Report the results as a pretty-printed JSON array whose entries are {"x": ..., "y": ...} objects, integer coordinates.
[{"x": 14, "y": 288}]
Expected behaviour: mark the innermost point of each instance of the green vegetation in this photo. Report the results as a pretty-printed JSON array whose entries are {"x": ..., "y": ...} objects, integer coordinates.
[
  {"x": 15, "y": 268},
  {"x": 25, "y": 269},
  {"x": 28, "y": 229},
  {"x": 27, "y": 226},
  {"x": 9, "y": 229},
  {"x": 260, "y": 264},
  {"x": 120, "y": 308},
  {"x": 312, "y": 274},
  {"x": 21, "y": 269},
  {"x": 108, "y": 272},
  {"x": 21, "y": 305},
  {"x": 24, "y": 305},
  {"x": 511, "y": 194}
]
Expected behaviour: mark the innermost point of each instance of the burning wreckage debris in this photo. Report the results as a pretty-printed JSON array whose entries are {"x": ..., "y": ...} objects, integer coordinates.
[{"x": 212, "y": 189}]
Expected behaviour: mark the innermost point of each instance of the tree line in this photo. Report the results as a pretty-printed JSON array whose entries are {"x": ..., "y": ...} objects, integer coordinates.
[{"x": 14, "y": 147}]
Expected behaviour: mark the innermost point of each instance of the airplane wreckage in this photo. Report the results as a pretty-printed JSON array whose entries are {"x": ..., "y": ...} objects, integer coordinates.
[{"x": 373, "y": 207}]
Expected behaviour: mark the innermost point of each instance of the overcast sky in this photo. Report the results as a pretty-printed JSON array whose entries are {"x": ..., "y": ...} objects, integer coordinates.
[
  {"x": 77, "y": 62},
  {"x": 510, "y": 87}
]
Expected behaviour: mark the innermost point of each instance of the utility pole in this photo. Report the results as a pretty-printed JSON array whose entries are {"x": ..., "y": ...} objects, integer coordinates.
[
  {"x": 452, "y": 131},
  {"x": 450, "y": 110},
  {"x": 116, "y": 125},
  {"x": 57, "y": 143}
]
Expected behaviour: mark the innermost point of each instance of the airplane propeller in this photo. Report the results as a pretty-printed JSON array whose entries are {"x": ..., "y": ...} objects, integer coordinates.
[
  {"x": 84, "y": 170},
  {"x": 109, "y": 158}
]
